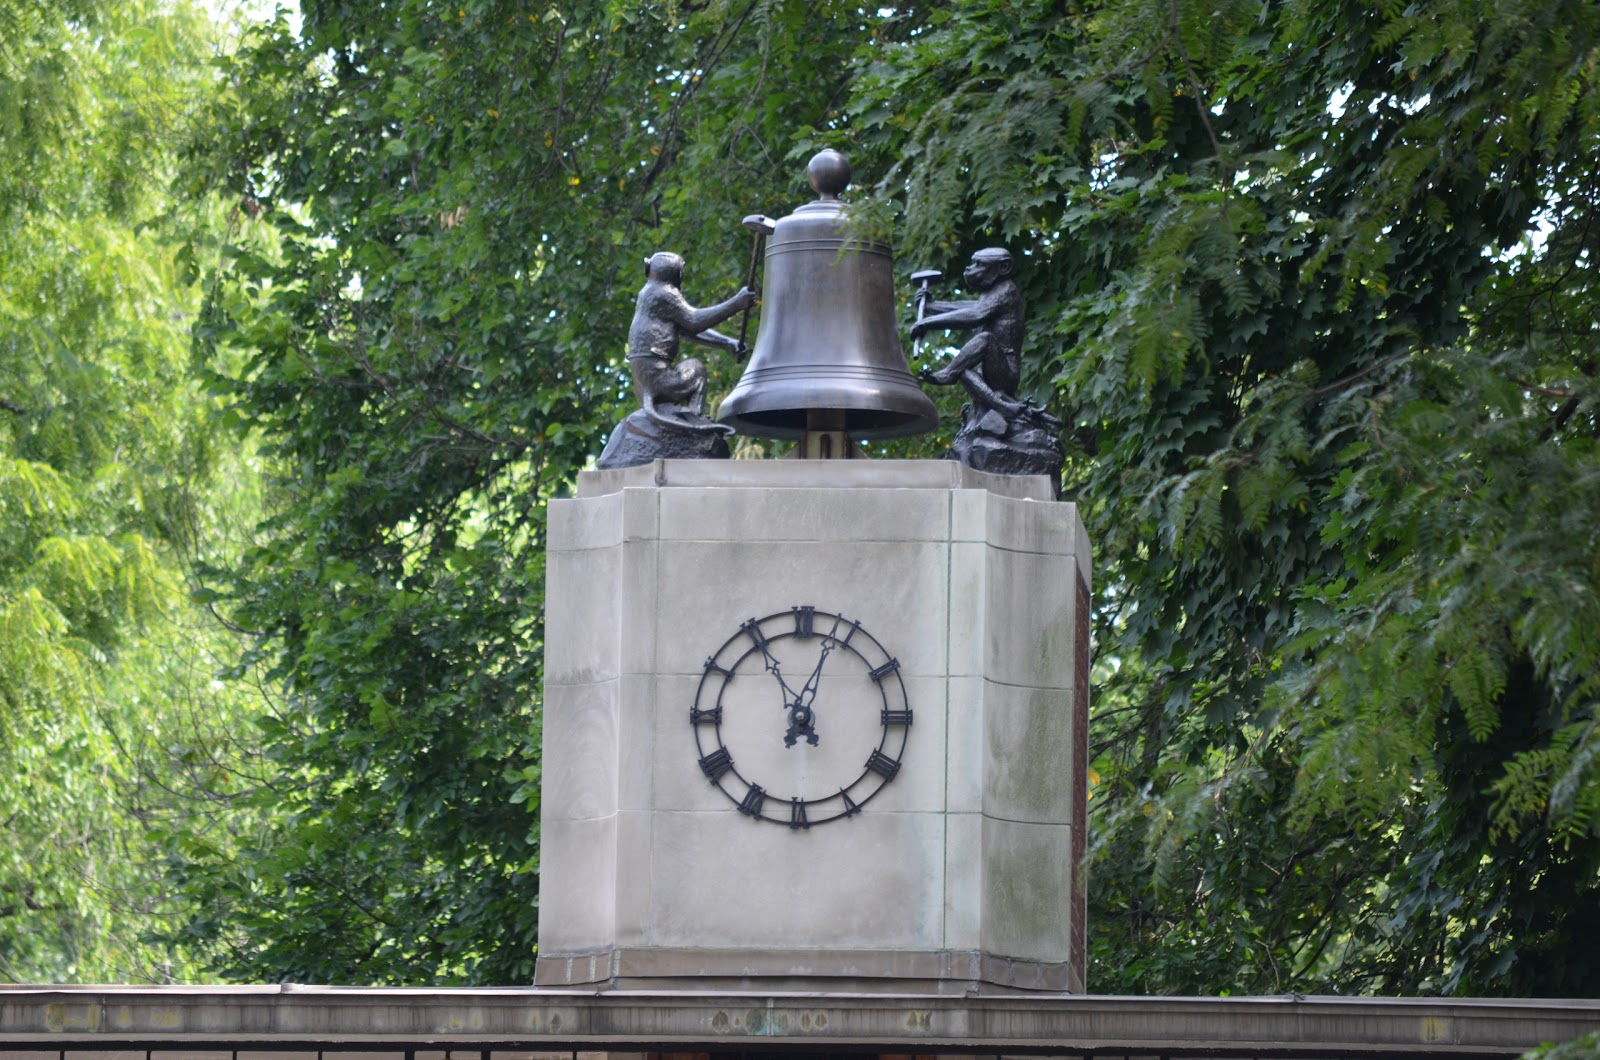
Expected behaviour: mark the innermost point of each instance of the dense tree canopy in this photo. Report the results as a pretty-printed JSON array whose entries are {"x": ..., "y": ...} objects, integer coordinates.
[
  {"x": 1316, "y": 280},
  {"x": 459, "y": 201},
  {"x": 111, "y": 728},
  {"x": 1311, "y": 280}
]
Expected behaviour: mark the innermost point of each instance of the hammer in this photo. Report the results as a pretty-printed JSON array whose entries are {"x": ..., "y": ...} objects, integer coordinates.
[
  {"x": 763, "y": 227},
  {"x": 922, "y": 279}
]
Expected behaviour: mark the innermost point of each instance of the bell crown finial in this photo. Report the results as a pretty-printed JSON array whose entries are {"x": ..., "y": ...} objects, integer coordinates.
[{"x": 828, "y": 173}]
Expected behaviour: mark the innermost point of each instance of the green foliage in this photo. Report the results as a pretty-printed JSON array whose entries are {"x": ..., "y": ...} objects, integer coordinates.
[
  {"x": 425, "y": 321},
  {"x": 1583, "y": 1047},
  {"x": 111, "y": 730},
  {"x": 1313, "y": 280}
]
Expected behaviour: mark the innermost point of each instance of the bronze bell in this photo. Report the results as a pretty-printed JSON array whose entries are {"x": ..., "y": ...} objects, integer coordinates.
[{"x": 828, "y": 355}]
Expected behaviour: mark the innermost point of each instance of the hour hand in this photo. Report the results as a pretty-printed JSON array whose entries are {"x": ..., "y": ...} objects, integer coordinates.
[
  {"x": 802, "y": 719},
  {"x": 753, "y": 630}
]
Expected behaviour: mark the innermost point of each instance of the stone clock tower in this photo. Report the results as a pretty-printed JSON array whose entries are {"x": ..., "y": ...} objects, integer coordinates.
[
  {"x": 817, "y": 724},
  {"x": 814, "y": 725}
]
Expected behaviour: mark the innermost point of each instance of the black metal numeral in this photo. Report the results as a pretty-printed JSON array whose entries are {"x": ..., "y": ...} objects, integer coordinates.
[
  {"x": 711, "y": 664},
  {"x": 716, "y": 763},
  {"x": 851, "y": 808},
  {"x": 883, "y": 765},
  {"x": 885, "y": 670},
  {"x": 708, "y": 717},
  {"x": 752, "y": 629},
  {"x": 803, "y": 619},
  {"x": 751, "y": 804},
  {"x": 896, "y": 717},
  {"x": 797, "y": 814}
]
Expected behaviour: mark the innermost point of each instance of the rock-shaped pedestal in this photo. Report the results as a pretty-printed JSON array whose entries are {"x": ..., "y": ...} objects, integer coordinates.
[
  {"x": 642, "y": 438},
  {"x": 1022, "y": 445}
]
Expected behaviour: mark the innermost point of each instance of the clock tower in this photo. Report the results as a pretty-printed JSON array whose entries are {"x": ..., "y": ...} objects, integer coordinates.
[
  {"x": 814, "y": 724},
  {"x": 818, "y": 723}
]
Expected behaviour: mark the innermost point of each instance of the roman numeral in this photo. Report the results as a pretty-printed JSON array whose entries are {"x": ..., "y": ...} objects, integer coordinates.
[
  {"x": 883, "y": 765},
  {"x": 751, "y": 805},
  {"x": 752, "y": 629},
  {"x": 716, "y": 763},
  {"x": 797, "y": 814},
  {"x": 710, "y": 717},
  {"x": 834, "y": 633},
  {"x": 850, "y": 806},
  {"x": 885, "y": 670},
  {"x": 711, "y": 664},
  {"x": 803, "y": 618},
  {"x": 896, "y": 717}
]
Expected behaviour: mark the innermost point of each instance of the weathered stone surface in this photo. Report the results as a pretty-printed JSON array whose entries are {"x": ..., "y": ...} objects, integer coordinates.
[
  {"x": 818, "y": 474},
  {"x": 532, "y": 1023},
  {"x": 956, "y": 571}
]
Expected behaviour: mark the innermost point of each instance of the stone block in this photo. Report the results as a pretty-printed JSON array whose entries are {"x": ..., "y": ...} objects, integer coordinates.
[
  {"x": 896, "y": 590},
  {"x": 1031, "y": 526},
  {"x": 920, "y": 786},
  {"x": 969, "y": 616},
  {"x": 594, "y": 522},
  {"x": 804, "y": 474},
  {"x": 639, "y": 606},
  {"x": 635, "y": 878},
  {"x": 1030, "y": 633},
  {"x": 875, "y": 881},
  {"x": 1027, "y": 884},
  {"x": 1027, "y": 753},
  {"x": 577, "y": 885},
  {"x": 677, "y": 784},
  {"x": 583, "y": 632},
  {"x": 804, "y": 515},
  {"x": 582, "y": 740},
  {"x": 969, "y": 515},
  {"x": 963, "y": 892},
  {"x": 641, "y": 514},
  {"x": 641, "y": 717},
  {"x": 964, "y": 745}
]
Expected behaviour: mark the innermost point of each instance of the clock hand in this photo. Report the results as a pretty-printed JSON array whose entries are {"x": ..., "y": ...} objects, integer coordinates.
[
  {"x": 809, "y": 692},
  {"x": 802, "y": 719},
  {"x": 772, "y": 665}
]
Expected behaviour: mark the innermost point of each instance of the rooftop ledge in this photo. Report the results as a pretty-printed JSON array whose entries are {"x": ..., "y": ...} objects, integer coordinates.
[{"x": 288, "y": 1017}]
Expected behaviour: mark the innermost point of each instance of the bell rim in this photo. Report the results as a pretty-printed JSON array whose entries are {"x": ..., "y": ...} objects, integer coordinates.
[{"x": 787, "y": 424}]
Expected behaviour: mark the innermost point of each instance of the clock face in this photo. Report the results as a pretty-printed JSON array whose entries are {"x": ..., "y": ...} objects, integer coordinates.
[{"x": 801, "y": 717}]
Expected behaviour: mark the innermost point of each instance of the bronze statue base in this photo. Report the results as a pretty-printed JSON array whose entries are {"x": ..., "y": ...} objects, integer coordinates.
[{"x": 641, "y": 438}]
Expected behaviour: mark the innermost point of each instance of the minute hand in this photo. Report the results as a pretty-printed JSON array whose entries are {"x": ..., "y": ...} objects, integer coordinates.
[{"x": 809, "y": 692}]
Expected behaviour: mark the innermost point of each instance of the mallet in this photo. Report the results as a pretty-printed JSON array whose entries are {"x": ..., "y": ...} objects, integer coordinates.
[
  {"x": 922, "y": 279},
  {"x": 763, "y": 227}
]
